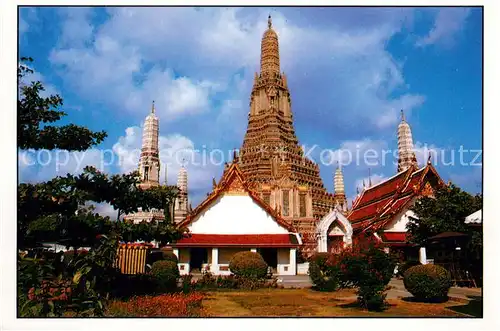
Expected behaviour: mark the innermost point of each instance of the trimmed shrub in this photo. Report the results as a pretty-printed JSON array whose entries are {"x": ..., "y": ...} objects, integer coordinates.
[
  {"x": 168, "y": 255},
  {"x": 369, "y": 269},
  {"x": 428, "y": 282},
  {"x": 405, "y": 266},
  {"x": 166, "y": 274},
  {"x": 325, "y": 276},
  {"x": 248, "y": 264},
  {"x": 210, "y": 282},
  {"x": 207, "y": 281}
]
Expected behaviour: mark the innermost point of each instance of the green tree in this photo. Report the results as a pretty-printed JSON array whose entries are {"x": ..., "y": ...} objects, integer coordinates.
[
  {"x": 445, "y": 212},
  {"x": 35, "y": 113},
  {"x": 58, "y": 210}
]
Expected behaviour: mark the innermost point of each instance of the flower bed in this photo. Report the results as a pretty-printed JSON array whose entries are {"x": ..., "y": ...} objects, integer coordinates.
[{"x": 166, "y": 305}]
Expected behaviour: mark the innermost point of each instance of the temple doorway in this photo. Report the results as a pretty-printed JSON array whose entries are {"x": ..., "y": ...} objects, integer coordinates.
[
  {"x": 198, "y": 256},
  {"x": 270, "y": 255},
  {"x": 335, "y": 243}
]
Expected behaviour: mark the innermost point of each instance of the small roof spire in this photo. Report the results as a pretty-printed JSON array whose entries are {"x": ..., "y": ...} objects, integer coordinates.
[
  {"x": 269, "y": 22},
  {"x": 402, "y": 116},
  {"x": 153, "y": 107},
  {"x": 369, "y": 178},
  {"x": 166, "y": 167}
]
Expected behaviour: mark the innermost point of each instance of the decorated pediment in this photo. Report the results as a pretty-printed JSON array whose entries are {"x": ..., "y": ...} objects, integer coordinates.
[
  {"x": 285, "y": 182},
  {"x": 235, "y": 186},
  {"x": 428, "y": 190}
]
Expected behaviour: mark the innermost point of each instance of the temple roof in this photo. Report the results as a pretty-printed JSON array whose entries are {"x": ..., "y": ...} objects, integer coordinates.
[
  {"x": 233, "y": 182},
  {"x": 377, "y": 205},
  {"x": 229, "y": 240}
]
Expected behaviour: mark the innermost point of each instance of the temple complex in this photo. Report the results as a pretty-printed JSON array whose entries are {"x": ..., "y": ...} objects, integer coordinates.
[
  {"x": 271, "y": 198},
  {"x": 381, "y": 212},
  {"x": 271, "y": 158}
]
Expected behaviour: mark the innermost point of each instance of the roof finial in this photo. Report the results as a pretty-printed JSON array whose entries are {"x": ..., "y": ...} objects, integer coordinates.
[
  {"x": 402, "y": 115},
  {"x": 429, "y": 157},
  {"x": 153, "y": 107},
  {"x": 369, "y": 177},
  {"x": 269, "y": 22},
  {"x": 166, "y": 167}
]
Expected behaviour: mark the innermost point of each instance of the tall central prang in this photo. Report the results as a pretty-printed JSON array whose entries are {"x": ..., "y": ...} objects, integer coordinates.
[{"x": 271, "y": 157}]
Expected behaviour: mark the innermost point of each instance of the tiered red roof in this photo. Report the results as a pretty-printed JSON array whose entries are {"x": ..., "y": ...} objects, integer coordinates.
[{"x": 377, "y": 205}]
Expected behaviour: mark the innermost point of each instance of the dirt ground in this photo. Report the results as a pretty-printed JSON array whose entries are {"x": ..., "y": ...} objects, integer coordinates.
[{"x": 310, "y": 303}]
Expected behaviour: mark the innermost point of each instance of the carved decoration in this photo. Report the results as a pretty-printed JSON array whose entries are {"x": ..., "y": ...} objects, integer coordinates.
[{"x": 427, "y": 191}]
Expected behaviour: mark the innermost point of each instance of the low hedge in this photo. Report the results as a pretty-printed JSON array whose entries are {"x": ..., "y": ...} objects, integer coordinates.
[
  {"x": 211, "y": 282},
  {"x": 428, "y": 282},
  {"x": 166, "y": 275},
  {"x": 248, "y": 264}
]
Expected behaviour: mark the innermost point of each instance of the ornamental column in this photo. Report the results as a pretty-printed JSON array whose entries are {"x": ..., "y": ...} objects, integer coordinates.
[
  {"x": 214, "y": 268},
  {"x": 293, "y": 261}
]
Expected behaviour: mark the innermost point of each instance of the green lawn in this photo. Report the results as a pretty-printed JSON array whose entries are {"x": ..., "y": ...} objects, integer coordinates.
[{"x": 306, "y": 302}]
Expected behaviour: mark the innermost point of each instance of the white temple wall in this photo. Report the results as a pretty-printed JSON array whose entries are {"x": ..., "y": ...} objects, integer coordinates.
[
  {"x": 235, "y": 214},
  {"x": 286, "y": 261},
  {"x": 183, "y": 255},
  {"x": 400, "y": 221},
  {"x": 225, "y": 254}
]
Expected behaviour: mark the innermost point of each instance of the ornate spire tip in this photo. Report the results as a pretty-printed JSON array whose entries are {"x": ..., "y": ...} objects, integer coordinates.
[
  {"x": 153, "y": 107},
  {"x": 269, "y": 22}
]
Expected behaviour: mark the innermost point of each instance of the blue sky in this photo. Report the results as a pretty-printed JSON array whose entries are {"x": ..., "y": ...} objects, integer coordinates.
[{"x": 349, "y": 70}]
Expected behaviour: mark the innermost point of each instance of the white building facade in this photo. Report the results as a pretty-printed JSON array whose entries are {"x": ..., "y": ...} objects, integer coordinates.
[{"x": 233, "y": 219}]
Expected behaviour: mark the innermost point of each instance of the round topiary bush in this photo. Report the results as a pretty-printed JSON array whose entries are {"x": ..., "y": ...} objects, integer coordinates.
[
  {"x": 406, "y": 265},
  {"x": 428, "y": 282},
  {"x": 248, "y": 264},
  {"x": 166, "y": 275}
]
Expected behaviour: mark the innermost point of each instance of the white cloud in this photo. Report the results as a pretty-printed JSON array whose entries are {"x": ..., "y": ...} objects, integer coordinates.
[
  {"x": 363, "y": 153},
  {"x": 175, "y": 150},
  {"x": 36, "y": 76},
  {"x": 448, "y": 22},
  {"x": 423, "y": 151},
  {"x": 76, "y": 27},
  {"x": 135, "y": 66},
  {"x": 43, "y": 165},
  {"x": 105, "y": 209}
]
